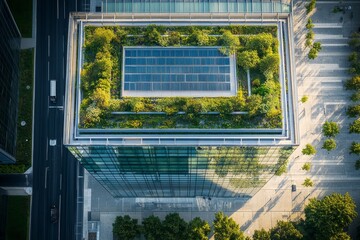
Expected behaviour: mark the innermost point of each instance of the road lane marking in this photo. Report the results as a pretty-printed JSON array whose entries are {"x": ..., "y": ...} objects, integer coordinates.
[
  {"x": 60, "y": 181},
  {"x": 46, "y": 171},
  {"x": 60, "y": 107},
  {"x": 57, "y": 9},
  {"x": 48, "y": 73},
  {"x": 48, "y": 45},
  {"x": 59, "y": 216}
]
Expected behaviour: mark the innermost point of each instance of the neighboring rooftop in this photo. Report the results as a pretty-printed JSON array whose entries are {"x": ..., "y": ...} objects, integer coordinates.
[{"x": 178, "y": 71}]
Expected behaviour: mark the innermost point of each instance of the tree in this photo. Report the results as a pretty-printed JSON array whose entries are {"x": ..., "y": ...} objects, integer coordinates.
[
  {"x": 355, "y": 41},
  {"x": 152, "y": 37},
  {"x": 330, "y": 129},
  {"x": 90, "y": 116},
  {"x": 309, "y": 150},
  {"x": 285, "y": 231},
  {"x": 355, "y": 96},
  {"x": 199, "y": 38},
  {"x": 308, "y": 182},
  {"x": 261, "y": 234},
  {"x": 269, "y": 65},
  {"x": 198, "y": 229},
  {"x": 355, "y": 148},
  {"x": 253, "y": 104},
  {"x": 309, "y": 24},
  {"x": 306, "y": 166},
  {"x": 263, "y": 43},
  {"x": 355, "y": 126},
  {"x": 226, "y": 228},
  {"x": 229, "y": 42},
  {"x": 327, "y": 217},
  {"x": 329, "y": 144},
  {"x": 353, "y": 111},
  {"x": 152, "y": 228},
  {"x": 174, "y": 227},
  {"x": 248, "y": 59},
  {"x": 174, "y": 38},
  {"x": 340, "y": 236},
  {"x": 310, "y": 6},
  {"x": 313, "y": 53},
  {"x": 353, "y": 83},
  {"x": 126, "y": 228}
]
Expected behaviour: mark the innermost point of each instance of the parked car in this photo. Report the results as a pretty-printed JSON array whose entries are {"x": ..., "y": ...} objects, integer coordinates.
[{"x": 54, "y": 214}]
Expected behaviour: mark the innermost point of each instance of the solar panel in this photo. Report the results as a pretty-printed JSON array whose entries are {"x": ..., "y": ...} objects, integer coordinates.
[{"x": 177, "y": 71}]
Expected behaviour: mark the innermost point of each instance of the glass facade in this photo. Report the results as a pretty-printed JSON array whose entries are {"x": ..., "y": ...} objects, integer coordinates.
[
  {"x": 9, "y": 74},
  {"x": 164, "y": 171},
  {"x": 193, "y": 6}
]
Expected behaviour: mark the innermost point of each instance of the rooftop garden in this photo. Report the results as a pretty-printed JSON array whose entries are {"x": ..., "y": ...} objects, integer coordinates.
[{"x": 256, "y": 51}]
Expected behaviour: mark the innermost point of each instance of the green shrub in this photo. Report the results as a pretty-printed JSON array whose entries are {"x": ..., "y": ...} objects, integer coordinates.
[
  {"x": 306, "y": 166},
  {"x": 330, "y": 129},
  {"x": 353, "y": 83},
  {"x": 329, "y": 144},
  {"x": 355, "y": 148},
  {"x": 309, "y": 150},
  {"x": 310, "y": 35},
  {"x": 355, "y": 126},
  {"x": 313, "y": 53},
  {"x": 308, "y": 182},
  {"x": 304, "y": 99},
  {"x": 310, "y": 6},
  {"x": 355, "y": 96},
  {"x": 309, "y": 24},
  {"x": 353, "y": 111},
  {"x": 12, "y": 168}
]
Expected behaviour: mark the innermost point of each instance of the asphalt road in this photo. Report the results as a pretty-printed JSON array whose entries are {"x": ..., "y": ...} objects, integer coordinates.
[{"x": 54, "y": 168}]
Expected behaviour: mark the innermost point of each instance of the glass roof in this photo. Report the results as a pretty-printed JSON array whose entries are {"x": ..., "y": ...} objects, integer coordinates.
[{"x": 176, "y": 69}]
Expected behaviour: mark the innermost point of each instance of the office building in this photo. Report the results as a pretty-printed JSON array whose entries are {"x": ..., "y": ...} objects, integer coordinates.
[{"x": 9, "y": 76}]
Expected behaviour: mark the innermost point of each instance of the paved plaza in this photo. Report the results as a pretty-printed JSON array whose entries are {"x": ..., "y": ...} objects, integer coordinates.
[{"x": 322, "y": 81}]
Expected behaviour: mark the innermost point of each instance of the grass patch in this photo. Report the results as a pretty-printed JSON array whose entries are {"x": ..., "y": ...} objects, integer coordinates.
[
  {"x": 22, "y": 12},
  {"x": 18, "y": 213},
  {"x": 24, "y": 133}
]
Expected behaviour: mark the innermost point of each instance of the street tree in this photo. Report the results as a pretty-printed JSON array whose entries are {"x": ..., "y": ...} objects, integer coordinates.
[
  {"x": 174, "y": 227},
  {"x": 328, "y": 217},
  {"x": 309, "y": 150},
  {"x": 355, "y": 148},
  {"x": 198, "y": 229},
  {"x": 353, "y": 83},
  {"x": 353, "y": 111},
  {"x": 261, "y": 234},
  {"x": 226, "y": 228},
  {"x": 355, "y": 41},
  {"x": 126, "y": 228},
  {"x": 152, "y": 228},
  {"x": 308, "y": 182},
  {"x": 285, "y": 231},
  {"x": 330, "y": 129},
  {"x": 355, "y": 126},
  {"x": 329, "y": 144}
]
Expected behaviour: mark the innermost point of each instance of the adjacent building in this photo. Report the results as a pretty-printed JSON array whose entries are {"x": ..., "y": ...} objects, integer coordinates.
[{"x": 9, "y": 75}]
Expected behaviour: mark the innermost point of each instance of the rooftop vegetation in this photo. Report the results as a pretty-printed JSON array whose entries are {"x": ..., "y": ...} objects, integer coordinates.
[{"x": 256, "y": 48}]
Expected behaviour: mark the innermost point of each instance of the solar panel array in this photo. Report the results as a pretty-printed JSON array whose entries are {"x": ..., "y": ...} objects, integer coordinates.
[{"x": 176, "y": 69}]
